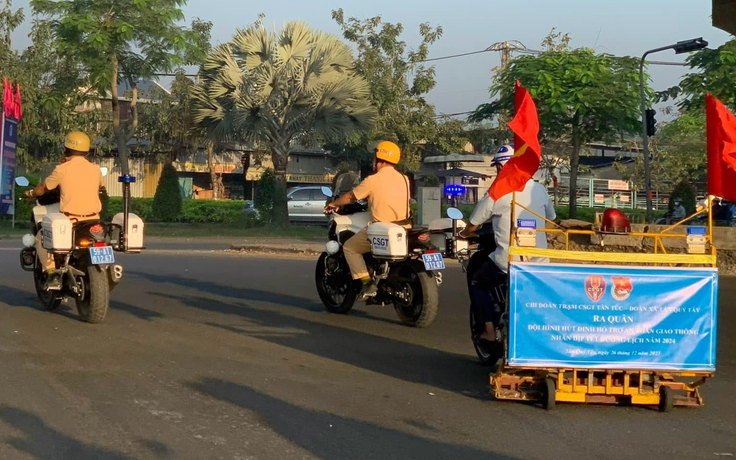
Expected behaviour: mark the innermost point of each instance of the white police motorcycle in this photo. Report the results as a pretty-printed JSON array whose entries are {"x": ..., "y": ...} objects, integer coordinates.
[
  {"x": 406, "y": 264},
  {"x": 84, "y": 253}
]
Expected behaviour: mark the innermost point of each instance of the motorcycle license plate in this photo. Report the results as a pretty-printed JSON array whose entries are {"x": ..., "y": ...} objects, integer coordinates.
[
  {"x": 102, "y": 255},
  {"x": 433, "y": 261}
]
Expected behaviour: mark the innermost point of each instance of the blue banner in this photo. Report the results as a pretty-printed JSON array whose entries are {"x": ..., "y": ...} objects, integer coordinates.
[
  {"x": 594, "y": 316},
  {"x": 9, "y": 141}
]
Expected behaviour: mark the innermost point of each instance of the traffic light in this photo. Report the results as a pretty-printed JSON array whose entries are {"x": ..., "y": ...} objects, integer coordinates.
[{"x": 651, "y": 122}]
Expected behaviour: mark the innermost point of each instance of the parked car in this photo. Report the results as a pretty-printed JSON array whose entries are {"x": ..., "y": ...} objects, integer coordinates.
[{"x": 306, "y": 204}]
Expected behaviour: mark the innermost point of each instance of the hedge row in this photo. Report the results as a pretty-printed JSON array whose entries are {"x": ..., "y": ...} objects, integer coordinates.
[
  {"x": 192, "y": 211},
  {"x": 231, "y": 211}
]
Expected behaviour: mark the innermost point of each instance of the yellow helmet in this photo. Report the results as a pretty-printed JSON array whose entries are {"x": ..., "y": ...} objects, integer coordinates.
[
  {"x": 77, "y": 141},
  {"x": 388, "y": 152}
]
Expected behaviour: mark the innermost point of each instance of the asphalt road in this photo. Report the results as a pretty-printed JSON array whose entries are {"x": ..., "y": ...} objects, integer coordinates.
[{"x": 230, "y": 356}]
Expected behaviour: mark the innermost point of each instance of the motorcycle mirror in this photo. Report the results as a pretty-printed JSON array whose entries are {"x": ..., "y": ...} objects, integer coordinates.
[
  {"x": 21, "y": 181},
  {"x": 454, "y": 214},
  {"x": 326, "y": 191},
  {"x": 104, "y": 171}
]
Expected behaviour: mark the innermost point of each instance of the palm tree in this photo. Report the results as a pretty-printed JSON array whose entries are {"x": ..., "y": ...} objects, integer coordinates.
[{"x": 278, "y": 88}]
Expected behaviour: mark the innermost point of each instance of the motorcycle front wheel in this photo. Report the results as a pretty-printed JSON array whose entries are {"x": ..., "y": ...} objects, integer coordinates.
[
  {"x": 49, "y": 299},
  {"x": 336, "y": 288}
]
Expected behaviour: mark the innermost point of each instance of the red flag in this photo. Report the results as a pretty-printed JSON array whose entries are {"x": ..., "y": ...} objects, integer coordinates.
[
  {"x": 7, "y": 99},
  {"x": 527, "y": 152},
  {"x": 18, "y": 108},
  {"x": 721, "y": 133}
]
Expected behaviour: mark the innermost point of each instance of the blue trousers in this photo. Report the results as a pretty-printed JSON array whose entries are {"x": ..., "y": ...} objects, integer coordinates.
[{"x": 485, "y": 282}]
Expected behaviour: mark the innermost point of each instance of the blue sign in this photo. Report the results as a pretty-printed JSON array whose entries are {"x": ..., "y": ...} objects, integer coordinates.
[
  {"x": 609, "y": 317},
  {"x": 9, "y": 140},
  {"x": 526, "y": 223},
  {"x": 455, "y": 189}
]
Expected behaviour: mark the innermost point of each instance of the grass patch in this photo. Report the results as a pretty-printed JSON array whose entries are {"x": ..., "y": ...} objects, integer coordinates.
[{"x": 8, "y": 232}]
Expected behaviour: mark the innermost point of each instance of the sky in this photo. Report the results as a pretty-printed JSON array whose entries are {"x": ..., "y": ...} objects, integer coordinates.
[{"x": 622, "y": 27}]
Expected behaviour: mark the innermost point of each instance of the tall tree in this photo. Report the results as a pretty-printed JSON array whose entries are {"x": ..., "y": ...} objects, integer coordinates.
[
  {"x": 678, "y": 152},
  {"x": 399, "y": 84},
  {"x": 125, "y": 40},
  {"x": 580, "y": 94},
  {"x": 712, "y": 71},
  {"x": 54, "y": 97},
  {"x": 50, "y": 89},
  {"x": 276, "y": 88}
]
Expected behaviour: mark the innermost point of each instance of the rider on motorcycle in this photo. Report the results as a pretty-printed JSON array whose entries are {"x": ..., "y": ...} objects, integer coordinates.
[
  {"x": 387, "y": 192},
  {"x": 494, "y": 271},
  {"x": 79, "y": 182}
]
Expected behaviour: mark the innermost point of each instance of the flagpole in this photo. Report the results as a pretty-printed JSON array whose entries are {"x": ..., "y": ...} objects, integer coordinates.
[
  {"x": 710, "y": 219},
  {"x": 513, "y": 219}
]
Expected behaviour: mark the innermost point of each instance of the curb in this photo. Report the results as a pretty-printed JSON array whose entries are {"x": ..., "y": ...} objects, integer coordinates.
[{"x": 261, "y": 249}]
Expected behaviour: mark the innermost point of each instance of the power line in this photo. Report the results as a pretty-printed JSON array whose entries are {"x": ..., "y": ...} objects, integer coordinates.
[{"x": 456, "y": 55}]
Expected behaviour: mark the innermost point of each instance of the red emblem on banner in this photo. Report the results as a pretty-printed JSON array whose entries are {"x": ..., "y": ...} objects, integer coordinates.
[
  {"x": 622, "y": 287},
  {"x": 595, "y": 287}
]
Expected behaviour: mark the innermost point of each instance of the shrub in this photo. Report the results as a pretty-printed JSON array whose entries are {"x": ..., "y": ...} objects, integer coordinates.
[
  {"x": 266, "y": 195},
  {"x": 167, "y": 202},
  {"x": 430, "y": 180},
  {"x": 686, "y": 191}
]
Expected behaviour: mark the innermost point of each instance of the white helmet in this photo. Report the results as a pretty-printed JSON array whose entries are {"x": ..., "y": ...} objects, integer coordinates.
[{"x": 503, "y": 155}]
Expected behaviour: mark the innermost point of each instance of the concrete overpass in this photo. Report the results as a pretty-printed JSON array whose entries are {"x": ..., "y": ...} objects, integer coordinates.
[{"x": 724, "y": 15}]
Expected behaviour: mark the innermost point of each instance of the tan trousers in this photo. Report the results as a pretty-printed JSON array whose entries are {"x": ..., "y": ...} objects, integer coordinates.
[
  {"x": 354, "y": 248},
  {"x": 46, "y": 259}
]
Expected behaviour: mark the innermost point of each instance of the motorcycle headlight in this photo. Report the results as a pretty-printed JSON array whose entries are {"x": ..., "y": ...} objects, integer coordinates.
[
  {"x": 28, "y": 240},
  {"x": 332, "y": 247}
]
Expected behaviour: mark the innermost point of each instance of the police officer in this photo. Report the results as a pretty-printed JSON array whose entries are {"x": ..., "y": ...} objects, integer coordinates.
[
  {"x": 79, "y": 181},
  {"x": 387, "y": 192}
]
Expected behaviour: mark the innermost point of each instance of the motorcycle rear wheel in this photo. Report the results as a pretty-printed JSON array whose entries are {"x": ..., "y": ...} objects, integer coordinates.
[
  {"x": 486, "y": 357},
  {"x": 424, "y": 299},
  {"x": 93, "y": 306},
  {"x": 337, "y": 292}
]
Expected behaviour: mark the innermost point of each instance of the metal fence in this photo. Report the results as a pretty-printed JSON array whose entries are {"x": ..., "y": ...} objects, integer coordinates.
[{"x": 604, "y": 193}]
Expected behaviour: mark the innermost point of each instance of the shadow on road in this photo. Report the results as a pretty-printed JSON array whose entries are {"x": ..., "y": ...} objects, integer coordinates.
[
  {"x": 24, "y": 299},
  {"x": 401, "y": 360},
  {"x": 234, "y": 292},
  {"x": 44, "y": 442},
  {"x": 333, "y": 437}
]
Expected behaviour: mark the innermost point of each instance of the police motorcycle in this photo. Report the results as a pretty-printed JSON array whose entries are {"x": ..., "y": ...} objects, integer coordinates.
[
  {"x": 406, "y": 264},
  {"x": 84, "y": 252}
]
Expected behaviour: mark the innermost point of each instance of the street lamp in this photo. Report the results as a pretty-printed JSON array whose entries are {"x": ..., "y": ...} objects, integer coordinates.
[{"x": 685, "y": 46}]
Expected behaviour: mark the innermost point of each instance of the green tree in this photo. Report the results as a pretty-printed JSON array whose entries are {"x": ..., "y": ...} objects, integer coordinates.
[
  {"x": 54, "y": 99},
  {"x": 278, "y": 88},
  {"x": 167, "y": 201},
  {"x": 678, "y": 152},
  {"x": 712, "y": 71},
  {"x": 121, "y": 39},
  {"x": 580, "y": 95},
  {"x": 49, "y": 90},
  {"x": 399, "y": 83}
]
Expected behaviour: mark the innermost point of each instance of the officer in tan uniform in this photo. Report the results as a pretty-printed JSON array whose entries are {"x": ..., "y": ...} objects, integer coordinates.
[
  {"x": 79, "y": 182},
  {"x": 388, "y": 196}
]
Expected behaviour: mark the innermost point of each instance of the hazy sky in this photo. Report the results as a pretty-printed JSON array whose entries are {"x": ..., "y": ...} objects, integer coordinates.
[{"x": 622, "y": 27}]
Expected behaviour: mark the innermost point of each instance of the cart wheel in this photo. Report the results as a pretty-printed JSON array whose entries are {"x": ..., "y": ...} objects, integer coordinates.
[
  {"x": 548, "y": 393},
  {"x": 666, "y": 398}
]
